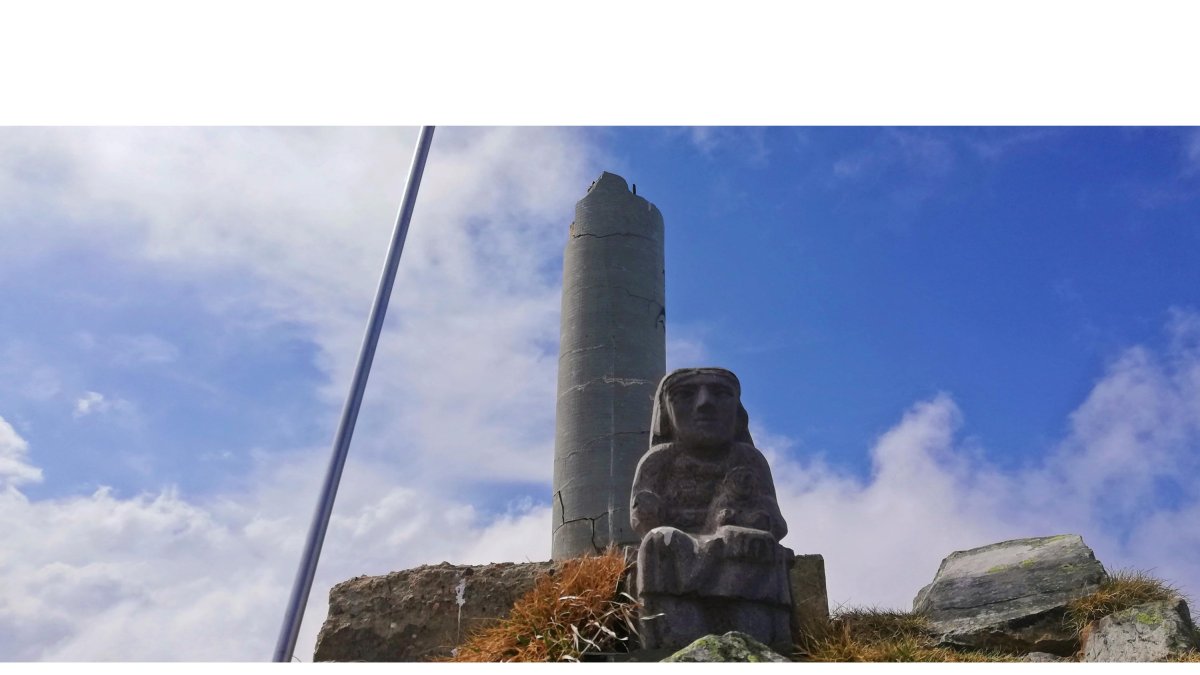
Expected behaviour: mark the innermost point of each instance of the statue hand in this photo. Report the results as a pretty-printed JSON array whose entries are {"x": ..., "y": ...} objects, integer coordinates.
[
  {"x": 750, "y": 544},
  {"x": 647, "y": 511}
]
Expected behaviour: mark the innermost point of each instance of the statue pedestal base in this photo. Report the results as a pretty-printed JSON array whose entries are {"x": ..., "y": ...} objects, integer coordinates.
[
  {"x": 673, "y": 622},
  {"x": 736, "y": 579}
]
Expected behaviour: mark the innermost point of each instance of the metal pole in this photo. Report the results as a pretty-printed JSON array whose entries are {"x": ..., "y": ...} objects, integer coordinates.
[{"x": 341, "y": 442}]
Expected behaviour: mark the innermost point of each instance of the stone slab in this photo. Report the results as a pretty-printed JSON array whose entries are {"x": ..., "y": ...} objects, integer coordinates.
[
  {"x": 414, "y": 615},
  {"x": 810, "y": 597},
  {"x": 1011, "y": 595}
]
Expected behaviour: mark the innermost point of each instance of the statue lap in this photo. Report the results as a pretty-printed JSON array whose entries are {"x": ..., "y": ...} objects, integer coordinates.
[{"x": 699, "y": 586}]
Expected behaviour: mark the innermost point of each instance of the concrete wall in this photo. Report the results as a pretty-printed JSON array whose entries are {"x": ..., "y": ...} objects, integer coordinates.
[{"x": 612, "y": 354}]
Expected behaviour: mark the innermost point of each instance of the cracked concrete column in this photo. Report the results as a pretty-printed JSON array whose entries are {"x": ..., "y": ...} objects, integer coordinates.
[{"x": 612, "y": 354}]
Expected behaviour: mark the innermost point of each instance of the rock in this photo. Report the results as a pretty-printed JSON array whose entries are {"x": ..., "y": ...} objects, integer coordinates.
[
  {"x": 810, "y": 599},
  {"x": 732, "y": 647},
  {"x": 1043, "y": 657},
  {"x": 1011, "y": 596},
  {"x": 1151, "y": 632},
  {"x": 414, "y": 615}
]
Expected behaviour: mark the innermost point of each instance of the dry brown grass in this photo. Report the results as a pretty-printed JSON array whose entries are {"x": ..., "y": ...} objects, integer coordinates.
[
  {"x": 579, "y": 609},
  {"x": 1124, "y": 589},
  {"x": 874, "y": 635}
]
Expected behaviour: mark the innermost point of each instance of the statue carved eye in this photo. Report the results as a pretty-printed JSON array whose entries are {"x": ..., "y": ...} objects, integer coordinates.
[{"x": 685, "y": 392}]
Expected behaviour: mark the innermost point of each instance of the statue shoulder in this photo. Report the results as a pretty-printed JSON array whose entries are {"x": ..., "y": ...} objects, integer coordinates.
[
  {"x": 652, "y": 467},
  {"x": 657, "y": 454},
  {"x": 748, "y": 453}
]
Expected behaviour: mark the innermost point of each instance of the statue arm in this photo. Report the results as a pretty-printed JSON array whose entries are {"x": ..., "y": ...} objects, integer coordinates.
[
  {"x": 778, "y": 524},
  {"x": 646, "y": 509}
]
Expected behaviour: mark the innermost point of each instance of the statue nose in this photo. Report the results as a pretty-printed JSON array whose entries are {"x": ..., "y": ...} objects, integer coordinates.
[{"x": 704, "y": 400}]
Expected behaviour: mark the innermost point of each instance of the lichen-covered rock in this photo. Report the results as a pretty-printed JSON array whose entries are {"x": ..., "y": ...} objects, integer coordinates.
[
  {"x": 1154, "y": 631},
  {"x": 732, "y": 647},
  {"x": 1012, "y": 595},
  {"x": 414, "y": 615}
]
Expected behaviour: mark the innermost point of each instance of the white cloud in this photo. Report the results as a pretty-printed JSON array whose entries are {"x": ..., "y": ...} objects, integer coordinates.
[
  {"x": 163, "y": 577},
  {"x": 95, "y": 403},
  {"x": 930, "y": 493},
  {"x": 15, "y": 468},
  {"x": 28, "y": 374},
  {"x": 129, "y": 350},
  {"x": 87, "y": 404},
  {"x": 747, "y": 144},
  {"x": 290, "y": 226},
  {"x": 924, "y": 156}
]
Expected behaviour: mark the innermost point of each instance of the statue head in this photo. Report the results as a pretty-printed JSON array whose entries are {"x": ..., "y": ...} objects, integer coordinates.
[{"x": 700, "y": 408}]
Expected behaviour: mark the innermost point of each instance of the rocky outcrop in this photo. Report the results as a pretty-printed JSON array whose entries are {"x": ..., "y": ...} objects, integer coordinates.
[
  {"x": 1011, "y": 596},
  {"x": 421, "y": 613},
  {"x": 732, "y": 647},
  {"x": 1153, "y": 631}
]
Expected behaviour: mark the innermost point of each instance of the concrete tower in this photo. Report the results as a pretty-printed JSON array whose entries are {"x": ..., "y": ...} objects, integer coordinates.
[{"x": 612, "y": 353}]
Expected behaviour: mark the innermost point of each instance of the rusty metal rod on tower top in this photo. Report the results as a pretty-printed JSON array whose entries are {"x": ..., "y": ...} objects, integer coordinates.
[{"x": 286, "y": 644}]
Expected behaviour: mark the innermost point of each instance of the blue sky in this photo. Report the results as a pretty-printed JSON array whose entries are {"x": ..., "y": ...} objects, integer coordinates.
[{"x": 946, "y": 337}]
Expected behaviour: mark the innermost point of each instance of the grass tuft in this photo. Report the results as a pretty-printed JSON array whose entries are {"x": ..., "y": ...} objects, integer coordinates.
[
  {"x": 576, "y": 610},
  {"x": 1124, "y": 589},
  {"x": 580, "y": 609},
  {"x": 875, "y": 635}
]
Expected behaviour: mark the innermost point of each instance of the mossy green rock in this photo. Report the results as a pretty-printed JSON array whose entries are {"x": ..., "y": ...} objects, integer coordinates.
[
  {"x": 732, "y": 647},
  {"x": 1155, "y": 631}
]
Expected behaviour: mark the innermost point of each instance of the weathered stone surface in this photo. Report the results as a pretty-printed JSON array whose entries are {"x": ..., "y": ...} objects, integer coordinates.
[
  {"x": 704, "y": 504},
  {"x": 612, "y": 353},
  {"x": 421, "y": 613},
  {"x": 1043, "y": 657},
  {"x": 1011, "y": 595},
  {"x": 810, "y": 598},
  {"x": 732, "y": 647},
  {"x": 1151, "y": 632}
]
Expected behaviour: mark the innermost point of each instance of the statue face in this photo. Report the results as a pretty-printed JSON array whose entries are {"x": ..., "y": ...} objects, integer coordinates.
[{"x": 703, "y": 411}]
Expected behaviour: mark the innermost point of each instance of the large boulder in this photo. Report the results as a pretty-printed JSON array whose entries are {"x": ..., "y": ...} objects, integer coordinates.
[
  {"x": 421, "y": 613},
  {"x": 1011, "y": 596},
  {"x": 1154, "y": 631},
  {"x": 728, "y": 648}
]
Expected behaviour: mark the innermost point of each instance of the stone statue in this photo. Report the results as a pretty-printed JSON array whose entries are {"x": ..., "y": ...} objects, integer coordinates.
[{"x": 704, "y": 504}]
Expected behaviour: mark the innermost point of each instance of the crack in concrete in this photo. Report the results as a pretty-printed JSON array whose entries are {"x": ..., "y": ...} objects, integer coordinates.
[
  {"x": 641, "y": 297},
  {"x": 580, "y": 349},
  {"x": 606, "y": 379},
  {"x": 622, "y": 288},
  {"x": 614, "y": 234},
  {"x": 585, "y": 445},
  {"x": 562, "y": 509},
  {"x": 591, "y": 522}
]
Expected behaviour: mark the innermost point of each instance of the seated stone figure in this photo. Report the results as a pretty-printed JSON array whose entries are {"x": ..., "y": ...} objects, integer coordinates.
[{"x": 704, "y": 504}]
